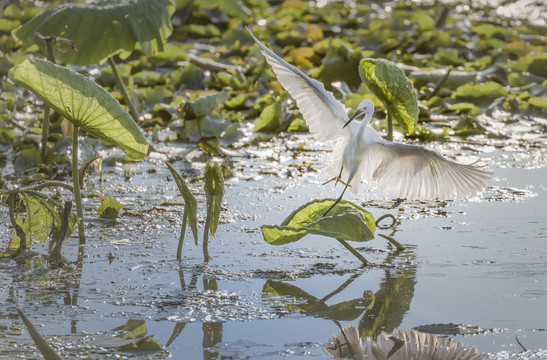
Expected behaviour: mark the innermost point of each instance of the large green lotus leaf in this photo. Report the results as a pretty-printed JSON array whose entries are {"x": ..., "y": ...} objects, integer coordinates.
[
  {"x": 103, "y": 29},
  {"x": 346, "y": 221},
  {"x": 190, "y": 203},
  {"x": 393, "y": 88},
  {"x": 83, "y": 102}
]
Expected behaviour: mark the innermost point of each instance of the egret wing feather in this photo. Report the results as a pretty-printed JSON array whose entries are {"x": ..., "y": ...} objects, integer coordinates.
[
  {"x": 324, "y": 115},
  {"x": 414, "y": 172}
]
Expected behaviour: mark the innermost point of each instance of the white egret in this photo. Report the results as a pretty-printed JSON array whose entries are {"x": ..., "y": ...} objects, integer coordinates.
[{"x": 408, "y": 171}]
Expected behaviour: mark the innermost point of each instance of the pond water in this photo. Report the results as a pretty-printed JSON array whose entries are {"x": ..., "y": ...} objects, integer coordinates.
[{"x": 474, "y": 268}]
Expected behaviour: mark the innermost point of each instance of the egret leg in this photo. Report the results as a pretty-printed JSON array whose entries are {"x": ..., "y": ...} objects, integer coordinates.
[{"x": 337, "y": 201}]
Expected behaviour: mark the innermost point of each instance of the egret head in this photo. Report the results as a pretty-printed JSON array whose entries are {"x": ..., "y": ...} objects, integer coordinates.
[{"x": 366, "y": 107}]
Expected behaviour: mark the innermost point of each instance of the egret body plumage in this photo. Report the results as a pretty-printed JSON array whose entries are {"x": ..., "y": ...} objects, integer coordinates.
[{"x": 408, "y": 171}]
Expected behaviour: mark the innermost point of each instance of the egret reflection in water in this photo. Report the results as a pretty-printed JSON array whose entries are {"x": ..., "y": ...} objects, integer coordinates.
[
  {"x": 398, "y": 345},
  {"x": 408, "y": 171}
]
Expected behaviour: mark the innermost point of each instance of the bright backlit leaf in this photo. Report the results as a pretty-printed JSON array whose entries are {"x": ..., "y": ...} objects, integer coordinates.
[
  {"x": 83, "y": 102},
  {"x": 214, "y": 192},
  {"x": 346, "y": 221},
  {"x": 393, "y": 88},
  {"x": 103, "y": 29},
  {"x": 190, "y": 204}
]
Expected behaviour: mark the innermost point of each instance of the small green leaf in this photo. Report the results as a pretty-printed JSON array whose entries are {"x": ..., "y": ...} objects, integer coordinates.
[
  {"x": 538, "y": 101},
  {"x": 346, "y": 221},
  {"x": 270, "y": 119},
  {"x": 110, "y": 208},
  {"x": 83, "y": 102},
  {"x": 190, "y": 203},
  {"x": 117, "y": 27},
  {"x": 465, "y": 107},
  {"x": 214, "y": 192},
  {"x": 423, "y": 19},
  {"x": 207, "y": 103},
  {"x": 393, "y": 88},
  {"x": 483, "y": 93}
]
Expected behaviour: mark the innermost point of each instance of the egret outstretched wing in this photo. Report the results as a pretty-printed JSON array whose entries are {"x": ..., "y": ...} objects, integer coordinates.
[
  {"x": 323, "y": 113},
  {"x": 414, "y": 172}
]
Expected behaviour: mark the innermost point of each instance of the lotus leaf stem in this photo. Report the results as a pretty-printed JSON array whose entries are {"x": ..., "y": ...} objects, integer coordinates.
[
  {"x": 123, "y": 89},
  {"x": 354, "y": 252},
  {"x": 76, "y": 184}
]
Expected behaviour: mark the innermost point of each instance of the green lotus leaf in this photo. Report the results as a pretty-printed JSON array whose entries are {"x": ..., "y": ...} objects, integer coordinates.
[
  {"x": 346, "y": 221},
  {"x": 393, "y": 88},
  {"x": 102, "y": 29},
  {"x": 83, "y": 102}
]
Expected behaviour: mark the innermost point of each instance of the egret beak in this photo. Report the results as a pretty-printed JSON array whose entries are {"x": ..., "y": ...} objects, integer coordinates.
[{"x": 358, "y": 113}]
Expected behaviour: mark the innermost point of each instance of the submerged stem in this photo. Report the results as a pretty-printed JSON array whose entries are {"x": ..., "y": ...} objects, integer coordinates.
[
  {"x": 354, "y": 252},
  {"x": 123, "y": 89},
  {"x": 76, "y": 184}
]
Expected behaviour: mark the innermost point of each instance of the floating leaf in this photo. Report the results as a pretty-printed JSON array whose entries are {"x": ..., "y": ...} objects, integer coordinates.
[
  {"x": 392, "y": 87},
  {"x": 83, "y": 102},
  {"x": 346, "y": 221},
  {"x": 538, "y": 101},
  {"x": 117, "y": 27},
  {"x": 207, "y": 103},
  {"x": 340, "y": 63},
  {"x": 480, "y": 92},
  {"x": 423, "y": 19},
  {"x": 190, "y": 206},
  {"x": 110, "y": 208},
  {"x": 233, "y": 8},
  {"x": 270, "y": 119}
]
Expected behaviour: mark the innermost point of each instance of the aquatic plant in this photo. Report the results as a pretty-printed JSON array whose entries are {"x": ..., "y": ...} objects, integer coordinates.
[
  {"x": 190, "y": 209},
  {"x": 44, "y": 218},
  {"x": 390, "y": 84},
  {"x": 344, "y": 222},
  {"x": 118, "y": 28},
  {"x": 214, "y": 192},
  {"x": 87, "y": 106}
]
